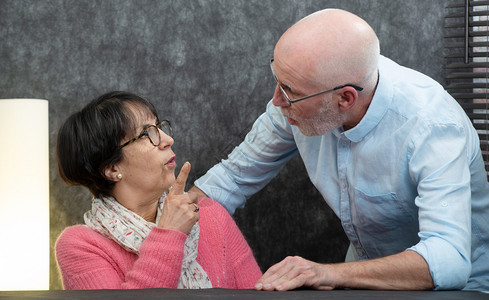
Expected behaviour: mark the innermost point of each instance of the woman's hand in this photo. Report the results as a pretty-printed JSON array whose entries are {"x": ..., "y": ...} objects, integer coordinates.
[{"x": 179, "y": 212}]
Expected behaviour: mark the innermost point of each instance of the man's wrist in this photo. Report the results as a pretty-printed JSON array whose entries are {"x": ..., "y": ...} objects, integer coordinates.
[{"x": 195, "y": 193}]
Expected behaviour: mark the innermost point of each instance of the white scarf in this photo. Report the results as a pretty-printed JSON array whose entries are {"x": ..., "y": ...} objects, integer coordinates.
[{"x": 129, "y": 230}]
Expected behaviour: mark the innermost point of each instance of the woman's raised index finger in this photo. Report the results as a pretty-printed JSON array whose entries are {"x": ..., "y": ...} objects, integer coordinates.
[{"x": 179, "y": 186}]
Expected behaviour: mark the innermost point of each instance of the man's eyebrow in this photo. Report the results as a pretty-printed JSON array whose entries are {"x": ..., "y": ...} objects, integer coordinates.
[
  {"x": 289, "y": 87},
  {"x": 285, "y": 85},
  {"x": 292, "y": 89}
]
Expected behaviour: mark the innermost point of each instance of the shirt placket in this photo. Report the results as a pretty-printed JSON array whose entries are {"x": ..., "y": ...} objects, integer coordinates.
[{"x": 343, "y": 150}]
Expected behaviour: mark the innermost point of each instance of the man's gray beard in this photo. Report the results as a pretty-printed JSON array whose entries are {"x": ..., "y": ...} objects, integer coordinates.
[{"x": 327, "y": 119}]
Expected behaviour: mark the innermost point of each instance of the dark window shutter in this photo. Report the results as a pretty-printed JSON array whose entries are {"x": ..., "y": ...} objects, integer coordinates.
[{"x": 467, "y": 63}]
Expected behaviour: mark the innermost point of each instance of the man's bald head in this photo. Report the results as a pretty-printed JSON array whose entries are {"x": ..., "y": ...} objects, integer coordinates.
[{"x": 335, "y": 46}]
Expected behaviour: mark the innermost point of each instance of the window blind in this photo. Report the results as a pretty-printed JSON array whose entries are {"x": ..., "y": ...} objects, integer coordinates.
[{"x": 467, "y": 63}]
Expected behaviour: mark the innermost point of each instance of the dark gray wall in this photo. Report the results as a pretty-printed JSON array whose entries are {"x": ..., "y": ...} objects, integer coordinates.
[{"x": 205, "y": 66}]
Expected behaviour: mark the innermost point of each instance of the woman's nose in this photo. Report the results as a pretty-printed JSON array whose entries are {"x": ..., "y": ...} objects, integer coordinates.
[{"x": 166, "y": 140}]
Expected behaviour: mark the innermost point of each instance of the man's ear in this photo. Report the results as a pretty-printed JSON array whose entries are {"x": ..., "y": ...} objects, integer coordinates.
[
  {"x": 349, "y": 97},
  {"x": 112, "y": 173}
]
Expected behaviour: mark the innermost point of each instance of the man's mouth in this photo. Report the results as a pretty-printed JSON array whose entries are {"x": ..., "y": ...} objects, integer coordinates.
[{"x": 291, "y": 121}]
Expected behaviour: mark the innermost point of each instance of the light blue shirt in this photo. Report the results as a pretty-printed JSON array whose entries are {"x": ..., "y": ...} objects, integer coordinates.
[{"x": 410, "y": 175}]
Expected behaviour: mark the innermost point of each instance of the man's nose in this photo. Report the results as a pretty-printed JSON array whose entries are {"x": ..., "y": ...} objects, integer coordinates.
[{"x": 278, "y": 98}]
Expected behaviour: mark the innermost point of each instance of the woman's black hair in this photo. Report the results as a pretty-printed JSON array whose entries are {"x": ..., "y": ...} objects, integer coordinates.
[{"x": 89, "y": 140}]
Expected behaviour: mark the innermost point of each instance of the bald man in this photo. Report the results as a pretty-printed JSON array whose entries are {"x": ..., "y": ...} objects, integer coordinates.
[{"x": 391, "y": 152}]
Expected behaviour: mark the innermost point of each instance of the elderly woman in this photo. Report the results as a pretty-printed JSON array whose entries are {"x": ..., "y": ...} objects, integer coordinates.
[{"x": 142, "y": 231}]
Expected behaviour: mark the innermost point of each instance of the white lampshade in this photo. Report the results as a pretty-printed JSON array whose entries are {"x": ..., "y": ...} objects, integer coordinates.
[{"x": 24, "y": 194}]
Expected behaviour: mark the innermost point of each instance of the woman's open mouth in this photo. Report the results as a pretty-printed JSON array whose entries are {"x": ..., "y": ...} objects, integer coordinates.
[{"x": 171, "y": 162}]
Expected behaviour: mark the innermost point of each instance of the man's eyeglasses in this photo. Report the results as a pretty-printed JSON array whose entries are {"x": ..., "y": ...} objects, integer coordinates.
[
  {"x": 153, "y": 133},
  {"x": 290, "y": 101}
]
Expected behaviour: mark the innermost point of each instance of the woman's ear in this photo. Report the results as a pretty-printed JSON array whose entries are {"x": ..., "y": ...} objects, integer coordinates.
[
  {"x": 113, "y": 173},
  {"x": 349, "y": 96}
]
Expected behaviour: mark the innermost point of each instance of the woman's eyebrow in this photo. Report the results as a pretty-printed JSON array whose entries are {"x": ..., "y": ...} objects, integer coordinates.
[{"x": 143, "y": 128}]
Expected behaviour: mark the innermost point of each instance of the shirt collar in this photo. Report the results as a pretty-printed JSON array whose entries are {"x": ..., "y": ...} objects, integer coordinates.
[{"x": 378, "y": 107}]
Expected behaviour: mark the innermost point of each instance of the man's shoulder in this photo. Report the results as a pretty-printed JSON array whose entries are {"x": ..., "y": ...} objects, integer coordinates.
[
  {"x": 400, "y": 75},
  {"x": 416, "y": 95}
]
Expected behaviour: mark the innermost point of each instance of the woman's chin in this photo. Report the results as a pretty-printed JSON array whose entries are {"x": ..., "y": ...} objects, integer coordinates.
[{"x": 168, "y": 184}]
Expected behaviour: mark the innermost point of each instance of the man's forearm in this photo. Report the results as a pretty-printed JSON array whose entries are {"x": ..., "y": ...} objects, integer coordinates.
[{"x": 403, "y": 271}]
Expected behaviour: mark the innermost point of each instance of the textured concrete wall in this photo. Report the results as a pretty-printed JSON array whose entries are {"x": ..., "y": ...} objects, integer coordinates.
[{"x": 205, "y": 66}]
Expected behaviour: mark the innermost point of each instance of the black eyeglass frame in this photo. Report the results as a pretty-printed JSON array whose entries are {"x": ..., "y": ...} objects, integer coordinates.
[
  {"x": 290, "y": 101},
  {"x": 159, "y": 126}
]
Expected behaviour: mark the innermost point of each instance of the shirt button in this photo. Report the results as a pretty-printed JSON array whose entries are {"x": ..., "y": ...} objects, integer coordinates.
[{"x": 444, "y": 203}]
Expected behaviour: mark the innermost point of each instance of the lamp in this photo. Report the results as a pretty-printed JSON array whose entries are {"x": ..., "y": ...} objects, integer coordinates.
[{"x": 24, "y": 194}]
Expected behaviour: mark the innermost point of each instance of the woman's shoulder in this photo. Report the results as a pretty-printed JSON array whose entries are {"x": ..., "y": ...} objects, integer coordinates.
[
  {"x": 80, "y": 235},
  {"x": 213, "y": 214},
  {"x": 211, "y": 206},
  {"x": 79, "y": 241},
  {"x": 77, "y": 231}
]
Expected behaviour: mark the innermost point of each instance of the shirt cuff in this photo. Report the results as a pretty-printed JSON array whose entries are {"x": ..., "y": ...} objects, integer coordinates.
[
  {"x": 217, "y": 185},
  {"x": 449, "y": 269}
]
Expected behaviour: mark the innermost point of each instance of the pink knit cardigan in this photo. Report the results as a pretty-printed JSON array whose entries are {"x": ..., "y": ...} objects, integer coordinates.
[{"x": 88, "y": 260}]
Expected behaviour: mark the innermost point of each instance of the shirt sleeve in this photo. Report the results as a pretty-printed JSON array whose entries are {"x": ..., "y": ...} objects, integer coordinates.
[
  {"x": 440, "y": 165},
  {"x": 251, "y": 165}
]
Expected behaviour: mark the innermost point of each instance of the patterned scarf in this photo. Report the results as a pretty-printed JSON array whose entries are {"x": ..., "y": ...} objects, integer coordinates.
[{"x": 129, "y": 230}]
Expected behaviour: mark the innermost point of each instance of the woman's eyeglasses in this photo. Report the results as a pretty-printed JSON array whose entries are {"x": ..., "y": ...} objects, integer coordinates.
[{"x": 153, "y": 133}]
